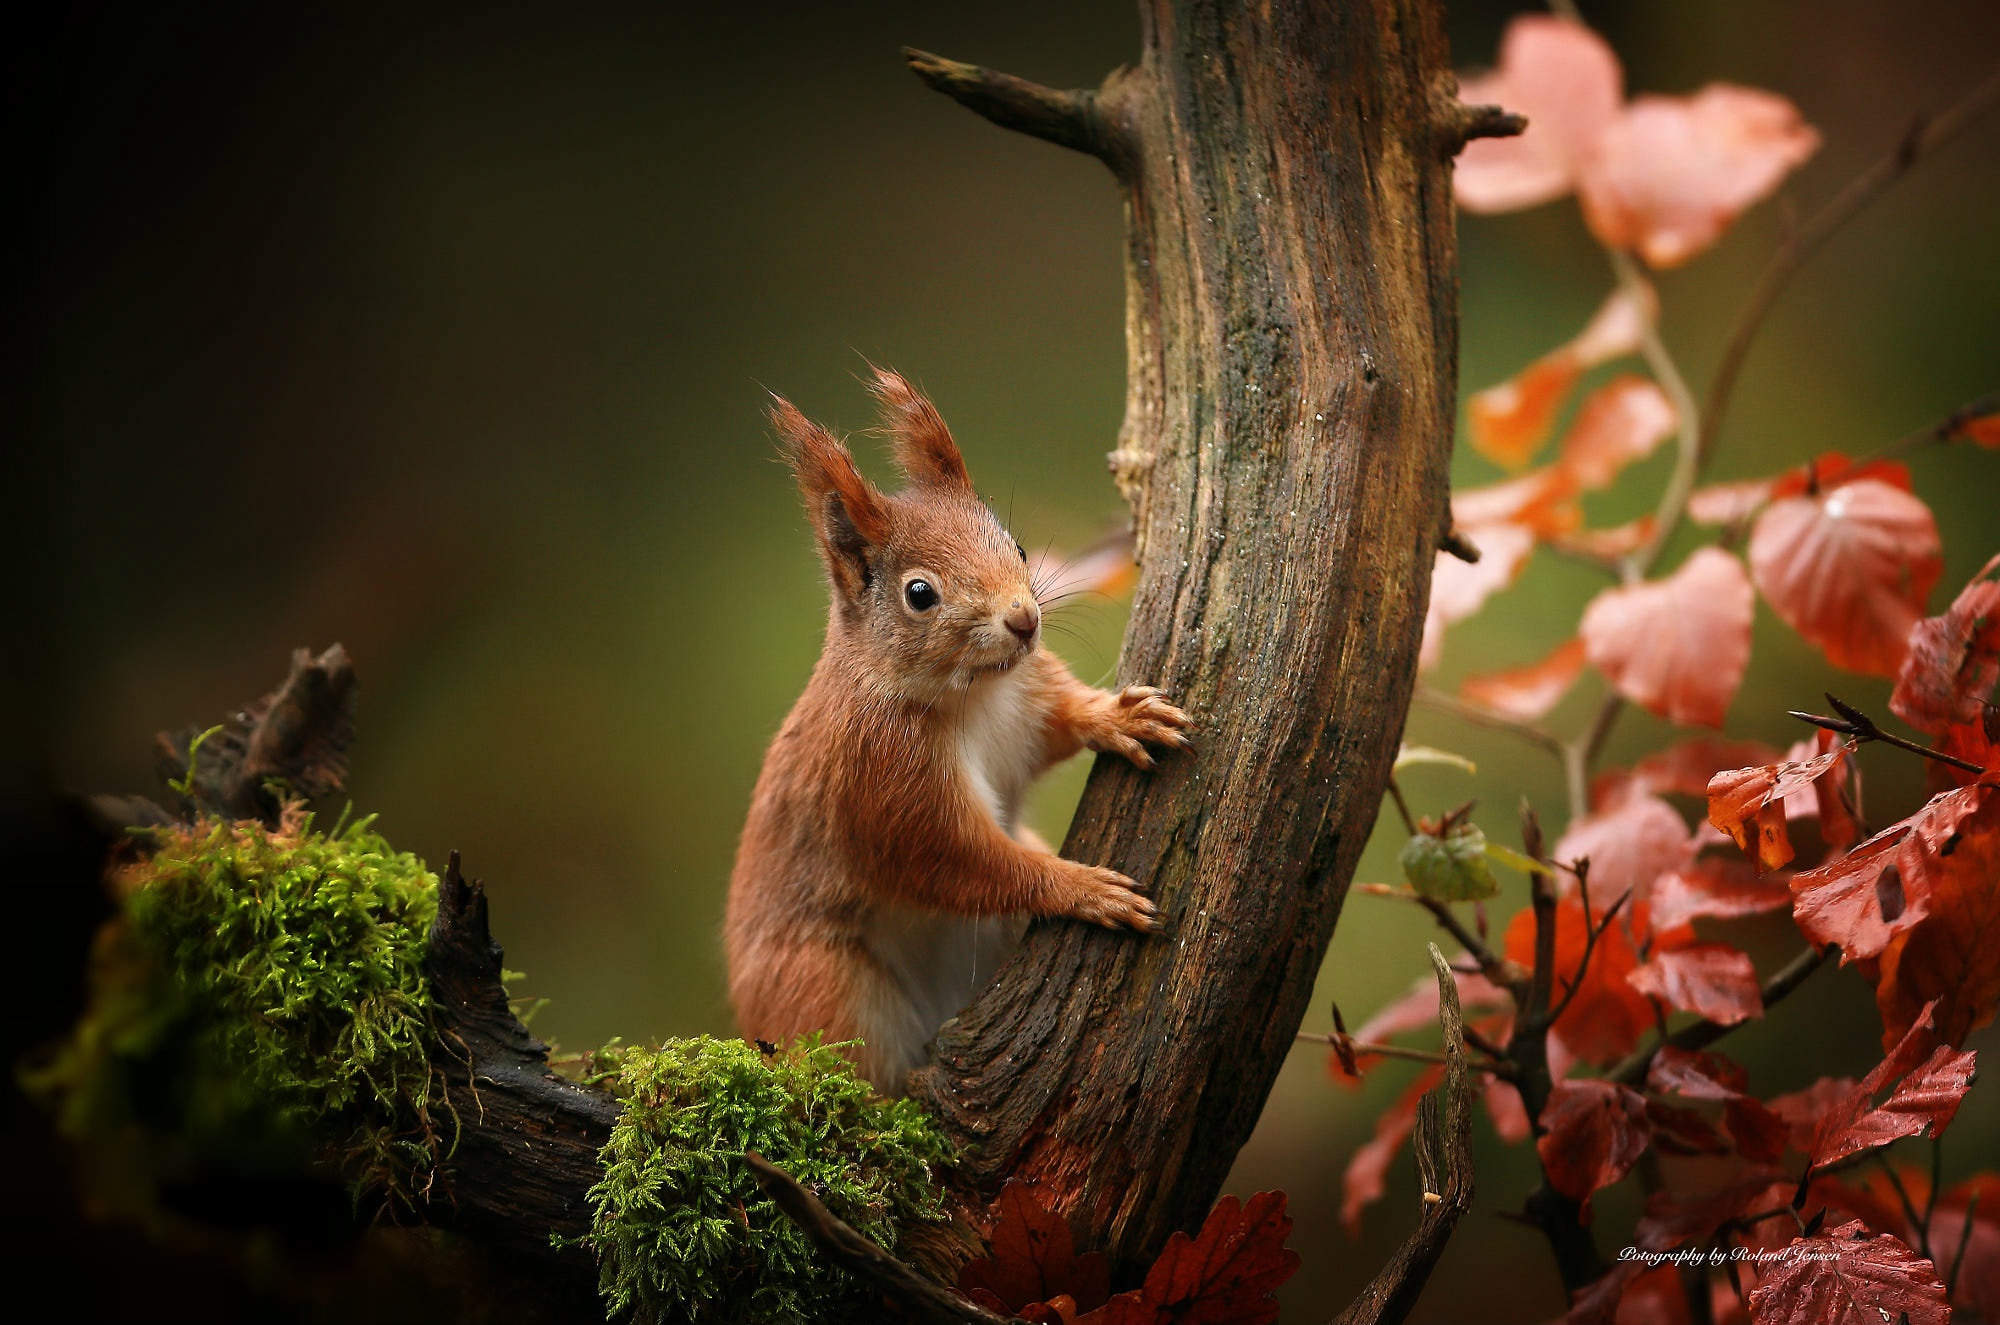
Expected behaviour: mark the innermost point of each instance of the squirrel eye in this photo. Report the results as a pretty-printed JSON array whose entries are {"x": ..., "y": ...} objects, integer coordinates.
[
  {"x": 1023, "y": 551},
  {"x": 920, "y": 595}
]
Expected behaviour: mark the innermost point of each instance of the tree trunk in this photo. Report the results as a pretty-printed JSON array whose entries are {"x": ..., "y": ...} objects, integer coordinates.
[{"x": 1291, "y": 316}]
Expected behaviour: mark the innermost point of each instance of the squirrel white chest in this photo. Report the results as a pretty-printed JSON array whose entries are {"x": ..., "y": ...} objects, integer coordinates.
[{"x": 999, "y": 744}]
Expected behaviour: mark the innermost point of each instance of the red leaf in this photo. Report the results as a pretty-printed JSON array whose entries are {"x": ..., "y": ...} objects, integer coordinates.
[
  {"x": 1712, "y": 980},
  {"x": 1953, "y": 660},
  {"x": 1509, "y": 422},
  {"x": 1721, "y": 888},
  {"x": 1926, "y": 1099},
  {"x": 1726, "y": 503},
  {"x": 1504, "y": 1107},
  {"x": 1623, "y": 421},
  {"x": 1676, "y": 647},
  {"x": 1759, "y": 1133},
  {"x": 1683, "y": 768},
  {"x": 1607, "y": 544},
  {"x": 1978, "y": 1286},
  {"x": 1980, "y": 430},
  {"x": 1831, "y": 469},
  {"x": 1670, "y": 174},
  {"x": 1460, "y": 588},
  {"x": 1683, "y": 1131},
  {"x": 1849, "y": 569},
  {"x": 1848, "y": 1278},
  {"x": 1749, "y": 804},
  {"x": 1032, "y": 1258},
  {"x": 1566, "y": 80},
  {"x": 1607, "y": 1016},
  {"x": 1883, "y": 887},
  {"x": 1951, "y": 956},
  {"x": 1526, "y": 694},
  {"x": 1367, "y": 1170},
  {"x": 1628, "y": 845},
  {"x": 1593, "y": 1132},
  {"x": 1673, "y": 1219},
  {"x": 1226, "y": 1275},
  {"x": 1804, "y": 1110}
]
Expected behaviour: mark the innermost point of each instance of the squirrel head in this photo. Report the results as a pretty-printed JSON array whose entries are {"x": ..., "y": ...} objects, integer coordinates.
[{"x": 926, "y": 583}]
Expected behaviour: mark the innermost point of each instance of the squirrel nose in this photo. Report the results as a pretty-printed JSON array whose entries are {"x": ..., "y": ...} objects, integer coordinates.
[{"x": 1024, "y": 619}]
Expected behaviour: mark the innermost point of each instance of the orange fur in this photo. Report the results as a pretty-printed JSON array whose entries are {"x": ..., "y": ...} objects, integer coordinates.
[{"x": 882, "y": 875}]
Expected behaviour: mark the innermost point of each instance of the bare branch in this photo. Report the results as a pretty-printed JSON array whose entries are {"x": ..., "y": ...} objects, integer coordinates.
[
  {"x": 1067, "y": 119},
  {"x": 925, "y": 1300}
]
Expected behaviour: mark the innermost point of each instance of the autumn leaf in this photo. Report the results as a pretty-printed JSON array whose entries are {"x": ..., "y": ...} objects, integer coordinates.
[
  {"x": 1804, "y": 1110},
  {"x": 1683, "y": 768},
  {"x": 1676, "y": 647},
  {"x": 1974, "y": 1203},
  {"x": 1712, "y": 980},
  {"x": 1849, "y": 568},
  {"x": 1727, "y": 503},
  {"x": 1952, "y": 956},
  {"x": 1607, "y": 545},
  {"x": 1758, "y": 1132},
  {"x": 1628, "y": 845},
  {"x": 1925, "y": 1100},
  {"x": 1459, "y": 589},
  {"x": 1526, "y": 694},
  {"x": 1621, "y": 422},
  {"x": 1508, "y": 423},
  {"x": 1846, "y": 1277},
  {"x": 1226, "y": 1275},
  {"x": 1418, "y": 1009},
  {"x": 1669, "y": 175},
  {"x": 1883, "y": 887},
  {"x": 1032, "y": 1259},
  {"x": 1952, "y": 661},
  {"x": 1606, "y": 1016},
  {"x": 1593, "y": 1132},
  {"x": 1567, "y": 81},
  {"x": 1749, "y": 803},
  {"x": 1719, "y": 888}
]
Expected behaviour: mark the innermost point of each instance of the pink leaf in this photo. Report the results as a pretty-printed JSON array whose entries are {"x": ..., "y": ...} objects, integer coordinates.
[
  {"x": 1566, "y": 80},
  {"x": 1679, "y": 646}
]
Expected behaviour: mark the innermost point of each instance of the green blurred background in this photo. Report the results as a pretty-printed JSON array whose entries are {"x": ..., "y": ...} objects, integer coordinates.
[{"x": 444, "y": 333}]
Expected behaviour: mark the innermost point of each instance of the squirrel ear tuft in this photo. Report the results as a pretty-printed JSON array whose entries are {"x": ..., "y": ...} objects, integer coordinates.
[
  {"x": 849, "y": 515},
  {"x": 923, "y": 445}
]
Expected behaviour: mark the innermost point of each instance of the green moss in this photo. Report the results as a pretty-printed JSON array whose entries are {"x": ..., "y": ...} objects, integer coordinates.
[
  {"x": 260, "y": 989},
  {"x": 681, "y": 1230}
]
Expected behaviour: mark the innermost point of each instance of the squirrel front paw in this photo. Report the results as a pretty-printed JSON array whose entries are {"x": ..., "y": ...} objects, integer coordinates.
[
  {"x": 1138, "y": 715},
  {"x": 1106, "y": 897}
]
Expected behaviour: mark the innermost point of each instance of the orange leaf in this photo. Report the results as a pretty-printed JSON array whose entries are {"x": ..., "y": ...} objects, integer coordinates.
[
  {"x": 1676, "y": 647},
  {"x": 1683, "y": 768},
  {"x": 1033, "y": 1260},
  {"x": 1712, "y": 980},
  {"x": 1726, "y": 503},
  {"x": 1953, "y": 660},
  {"x": 1849, "y": 569},
  {"x": 1984, "y": 430},
  {"x": 1508, "y": 423},
  {"x": 1607, "y": 1016},
  {"x": 1628, "y": 845},
  {"x": 1749, "y": 804},
  {"x": 1670, "y": 174},
  {"x": 1593, "y": 1132},
  {"x": 1847, "y": 1277},
  {"x": 1228, "y": 1273},
  {"x": 1566, "y": 80},
  {"x": 1883, "y": 887},
  {"x": 1608, "y": 544},
  {"x": 1952, "y": 956},
  {"x": 1528, "y": 693},
  {"x": 1623, "y": 421}
]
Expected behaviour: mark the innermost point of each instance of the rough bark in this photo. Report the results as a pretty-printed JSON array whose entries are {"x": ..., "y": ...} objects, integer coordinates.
[{"x": 1291, "y": 324}]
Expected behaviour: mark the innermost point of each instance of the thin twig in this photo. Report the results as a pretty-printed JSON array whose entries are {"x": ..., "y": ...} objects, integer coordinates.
[
  {"x": 1590, "y": 937},
  {"x": 1924, "y": 138},
  {"x": 1493, "y": 966},
  {"x": 1909, "y": 1206},
  {"x": 1964, "y": 1239},
  {"x": 1485, "y": 717},
  {"x": 1943, "y": 430},
  {"x": 1402, "y": 806},
  {"x": 1405, "y": 1052},
  {"x": 1853, "y": 722}
]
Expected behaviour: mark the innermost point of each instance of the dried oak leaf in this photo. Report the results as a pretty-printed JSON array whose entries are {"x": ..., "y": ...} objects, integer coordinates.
[
  {"x": 1668, "y": 176},
  {"x": 1567, "y": 81},
  {"x": 1677, "y": 647},
  {"x": 1593, "y": 1132},
  {"x": 1032, "y": 1260},
  {"x": 1952, "y": 661},
  {"x": 1883, "y": 887},
  {"x": 1850, "y": 568},
  {"x": 1712, "y": 980},
  {"x": 1526, "y": 694},
  {"x": 1226, "y": 1275},
  {"x": 1952, "y": 956},
  {"x": 1846, "y": 1277}
]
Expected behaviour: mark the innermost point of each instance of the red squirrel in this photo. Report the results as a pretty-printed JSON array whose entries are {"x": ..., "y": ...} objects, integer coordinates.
[{"x": 883, "y": 873}]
